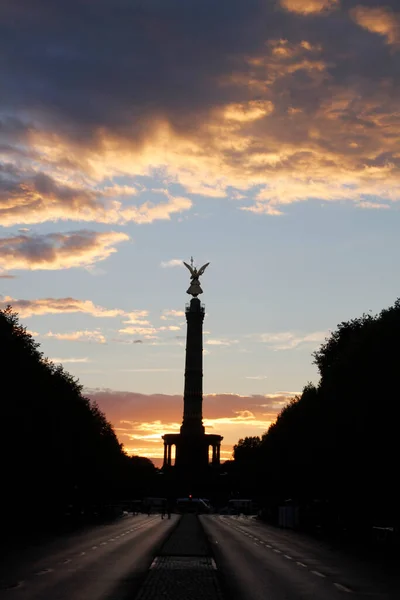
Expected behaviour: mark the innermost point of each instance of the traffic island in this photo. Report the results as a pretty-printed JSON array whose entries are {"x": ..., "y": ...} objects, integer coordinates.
[{"x": 184, "y": 567}]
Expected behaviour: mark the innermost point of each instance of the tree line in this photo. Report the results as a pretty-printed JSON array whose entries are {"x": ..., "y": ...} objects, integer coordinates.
[
  {"x": 60, "y": 458},
  {"x": 334, "y": 450}
]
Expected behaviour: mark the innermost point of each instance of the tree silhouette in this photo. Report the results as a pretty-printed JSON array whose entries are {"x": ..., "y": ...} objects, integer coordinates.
[
  {"x": 59, "y": 453},
  {"x": 336, "y": 445}
]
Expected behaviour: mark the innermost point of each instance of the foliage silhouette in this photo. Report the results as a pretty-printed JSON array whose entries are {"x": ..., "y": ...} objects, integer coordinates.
[
  {"x": 60, "y": 456},
  {"x": 336, "y": 445}
]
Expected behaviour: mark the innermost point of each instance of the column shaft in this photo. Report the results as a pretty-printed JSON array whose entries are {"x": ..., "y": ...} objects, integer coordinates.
[
  {"x": 165, "y": 454},
  {"x": 169, "y": 455},
  {"x": 193, "y": 394}
]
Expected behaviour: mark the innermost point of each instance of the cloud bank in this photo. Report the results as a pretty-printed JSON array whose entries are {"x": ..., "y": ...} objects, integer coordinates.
[
  {"x": 295, "y": 100},
  {"x": 47, "y": 306},
  {"x": 140, "y": 420},
  {"x": 58, "y": 250}
]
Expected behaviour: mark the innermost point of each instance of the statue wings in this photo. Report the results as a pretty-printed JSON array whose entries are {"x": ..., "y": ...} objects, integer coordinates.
[
  {"x": 193, "y": 271},
  {"x": 202, "y": 269},
  {"x": 189, "y": 267}
]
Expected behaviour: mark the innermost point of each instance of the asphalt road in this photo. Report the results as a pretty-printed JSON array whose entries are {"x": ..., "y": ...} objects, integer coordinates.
[
  {"x": 258, "y": 562},
  {"x": 107, "y": 562}
]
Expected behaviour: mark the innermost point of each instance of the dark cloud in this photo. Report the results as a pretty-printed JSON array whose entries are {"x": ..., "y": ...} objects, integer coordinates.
[
  {"x": 28, "y": 196},
  {"x": 57, "y": 250},
  {"x": 112, "y": 62},
  {"x": 263, "y": 92},
  {"x": 82, "y": 65}
]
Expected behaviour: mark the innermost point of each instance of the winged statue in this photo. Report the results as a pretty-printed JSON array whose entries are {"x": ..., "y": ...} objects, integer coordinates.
[{"x": 194, "y": 288}]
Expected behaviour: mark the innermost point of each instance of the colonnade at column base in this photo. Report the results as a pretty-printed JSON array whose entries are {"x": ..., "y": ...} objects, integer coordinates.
[{"x": 191, "y": 451}]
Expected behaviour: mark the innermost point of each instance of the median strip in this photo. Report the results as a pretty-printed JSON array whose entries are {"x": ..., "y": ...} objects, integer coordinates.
[{"x": 184, "y": 567}]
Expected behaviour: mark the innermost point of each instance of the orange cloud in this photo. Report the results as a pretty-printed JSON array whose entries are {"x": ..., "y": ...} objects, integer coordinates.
[
  {"x": 58, "y": 250},
  {"x": 340, "y": 152},
  {"x": 307, "y": 7},
  {"x": 380, "y": 20},
  {"x": 311, "y": 116},
  {"x": 39, "y": 197},
  {"x": 79, "y": 336},
  {"x": 45, "y": 306},
  {"x": 170, "y": 314},
  {"x": 70, "y": 360},
  {"x": 140, "y": 420}
]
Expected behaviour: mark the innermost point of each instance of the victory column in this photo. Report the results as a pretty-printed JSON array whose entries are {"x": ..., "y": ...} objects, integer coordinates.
[{"x": 192, "y": 443}]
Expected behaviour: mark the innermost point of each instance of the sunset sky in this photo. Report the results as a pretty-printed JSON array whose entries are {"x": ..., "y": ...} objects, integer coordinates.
[{"x": 259, "y": 135}]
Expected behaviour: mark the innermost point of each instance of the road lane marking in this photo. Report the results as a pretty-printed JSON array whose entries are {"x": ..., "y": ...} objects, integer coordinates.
[
  {"x": 94, "y": 547},
  {"x": 44, "y": 572},
  {"x": 154, "y": 563},
  {"x": 213, "y": 564},
  {"x": 82, "y": 553},
  {"x": 301, "y": 564},
  {"x": 268, "y": 546},
  {"x": 343, "y": 588},
  {"x": 277, "y": 551},
  {"x": 288, "y": 557},
  {"x": 66, "y": 561},
  {"x": 13, "y": 586},
  {"x": 103, "y": 543},
  {"x": 318, "y": 574}
]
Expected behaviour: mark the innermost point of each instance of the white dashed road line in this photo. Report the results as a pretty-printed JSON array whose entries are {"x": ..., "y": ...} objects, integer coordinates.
[
  {"x": 318, "y": 574},
  {"x": 342, "y": 588},
  {"x": 14, "y": 586},
  {"x": 44, "y": 572},
  {"x": 83, "y": 553},
  {"x": 338, "y": 586},
  {"x": 154, "y": 563}
]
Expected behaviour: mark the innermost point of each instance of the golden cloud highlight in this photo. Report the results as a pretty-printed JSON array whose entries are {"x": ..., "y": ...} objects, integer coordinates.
[
  {"x": 79, "y": 336},
  {"x": 382, "y": 21},
  {"x": 46, "y": 306},
  {"x": 58, "y": 250},
  {"x": 41, "y": 198},
  {"x": 140, "y": 420},
  {"x": 308, "y": 7},
  {"x": 287, "y": 128},
  {"x": 170, "y": 314}
]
